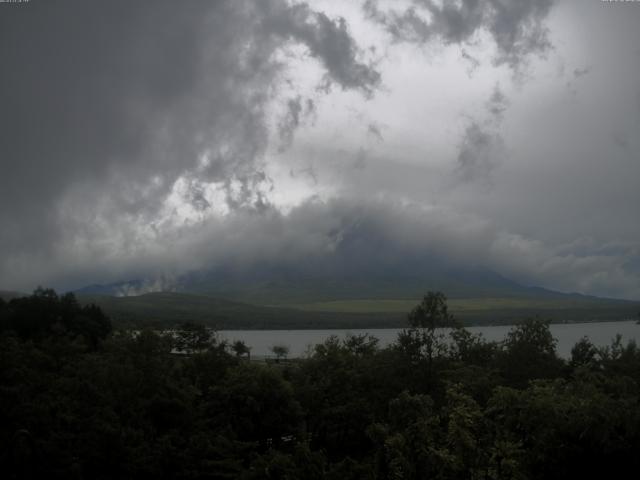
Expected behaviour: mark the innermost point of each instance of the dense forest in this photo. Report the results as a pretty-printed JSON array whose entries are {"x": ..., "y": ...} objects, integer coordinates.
[{"x": 79, "y": 399}]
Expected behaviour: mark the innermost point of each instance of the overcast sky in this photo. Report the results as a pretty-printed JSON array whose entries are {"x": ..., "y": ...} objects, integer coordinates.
[{"x": 155, "y": 137}]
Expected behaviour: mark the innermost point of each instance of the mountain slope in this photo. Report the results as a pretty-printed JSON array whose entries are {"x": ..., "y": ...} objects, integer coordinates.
[
  {"x": 336, "y": 294},
  {"x": 267, "y": 285}
]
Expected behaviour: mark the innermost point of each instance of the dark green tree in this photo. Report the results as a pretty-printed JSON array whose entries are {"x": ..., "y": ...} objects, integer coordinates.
[
  {"x": 45, "y": 314},
  {"x": 280, "y": 351},
  {"x": 584, "y": 354},
  {"x": 194, "y": 337},
  {"x": 529, "y": 352},
  {"x": 241, "y": 349},
  {"x": 425, "y": 339}
]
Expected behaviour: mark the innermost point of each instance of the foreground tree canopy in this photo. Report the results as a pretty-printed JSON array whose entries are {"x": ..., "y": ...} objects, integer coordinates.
[{"x": 80, "y": 401}]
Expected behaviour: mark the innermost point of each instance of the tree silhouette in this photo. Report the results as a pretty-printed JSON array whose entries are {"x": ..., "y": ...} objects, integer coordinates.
[
  {"x": 280, "y": 351},
  {"x": 240, "y": 348}
]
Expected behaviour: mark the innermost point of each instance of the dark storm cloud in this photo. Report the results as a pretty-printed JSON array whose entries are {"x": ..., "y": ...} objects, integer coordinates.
[
  {"x": 579, "y": 72},
  {"x": 373, "y": 130},
  {"x": 297, "y": 110},
  {"x": 95, "y": 88},
  {"x": 481, "y": 151},
  {"x": 482, "y": 148},
  {"x": 497, "y": 104},
  {"x": 473, "y": 62},
  {"x": 118, "y": 119},
  {"x": 517, "y": 27},
  {"x": 108, "y": 103},
  {"x": 577, "y": 75},
  {"x": 290, "y": 122},
  {"x": 328, "y": 40}
]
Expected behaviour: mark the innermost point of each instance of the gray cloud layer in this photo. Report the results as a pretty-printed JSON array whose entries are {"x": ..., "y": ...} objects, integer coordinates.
[
  {"x": 106, "y": 107},
  {"x": 111, "y": 102},
  {"x": 482, "y": 148},
  {"x": 349, "y": 235},
  {"x": 517, "y": 27}
]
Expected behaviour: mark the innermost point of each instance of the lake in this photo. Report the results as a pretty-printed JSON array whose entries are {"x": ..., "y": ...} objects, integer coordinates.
[{"x": 299, "y": 341}]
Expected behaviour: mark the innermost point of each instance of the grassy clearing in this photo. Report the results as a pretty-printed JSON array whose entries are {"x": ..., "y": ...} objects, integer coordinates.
[
  {"x": 455, "y": 305},
  {"x": 173, "y": 308}
]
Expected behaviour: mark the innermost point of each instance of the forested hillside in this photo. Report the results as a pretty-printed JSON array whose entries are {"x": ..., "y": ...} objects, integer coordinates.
[{"x": 79, "y": 400}]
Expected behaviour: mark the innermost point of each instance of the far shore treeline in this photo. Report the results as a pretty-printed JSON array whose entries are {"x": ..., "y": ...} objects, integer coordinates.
[{"x": 80, "y": 399}]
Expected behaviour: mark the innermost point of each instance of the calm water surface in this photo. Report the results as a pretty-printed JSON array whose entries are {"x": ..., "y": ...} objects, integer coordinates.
[{"x": 300, "y": 341}]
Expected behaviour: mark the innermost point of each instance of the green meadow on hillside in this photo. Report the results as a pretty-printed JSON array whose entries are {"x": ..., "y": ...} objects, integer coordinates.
[{"x": 173, "y": 308}]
